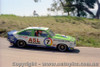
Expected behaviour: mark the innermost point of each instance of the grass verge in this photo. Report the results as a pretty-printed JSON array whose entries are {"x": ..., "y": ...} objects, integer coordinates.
[{"x": 86, "y": 31}]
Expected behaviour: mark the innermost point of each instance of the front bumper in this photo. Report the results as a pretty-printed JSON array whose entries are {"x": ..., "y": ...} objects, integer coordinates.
[{"x": 72, "y": 44}]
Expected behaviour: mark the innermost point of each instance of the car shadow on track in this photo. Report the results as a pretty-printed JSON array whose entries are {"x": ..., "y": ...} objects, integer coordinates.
[{"x": 45, "y": 49}]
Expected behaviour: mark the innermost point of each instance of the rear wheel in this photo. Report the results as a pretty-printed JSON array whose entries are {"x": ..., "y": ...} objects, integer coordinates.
[
  {"x": 21, "y": 43},
  {"x": 62, "y": 47}
]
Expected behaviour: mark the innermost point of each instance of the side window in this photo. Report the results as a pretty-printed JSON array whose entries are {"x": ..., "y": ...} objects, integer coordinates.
[
  {"x": 44, "y": 34},
  {"x": 27, "y": 32},
  {"x": 40, "y": 33}
]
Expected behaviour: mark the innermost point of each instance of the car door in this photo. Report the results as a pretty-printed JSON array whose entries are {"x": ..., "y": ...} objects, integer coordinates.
[
  {"x": 45, "y": 39},
  {"x": 42, "y": 39},
  {"x": 25, "y": 35}
]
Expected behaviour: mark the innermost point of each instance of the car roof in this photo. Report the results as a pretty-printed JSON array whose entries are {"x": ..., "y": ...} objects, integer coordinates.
[{"x": 38, "y": 28}]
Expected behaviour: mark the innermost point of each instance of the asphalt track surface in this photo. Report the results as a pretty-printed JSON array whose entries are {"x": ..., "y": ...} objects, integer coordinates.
[{"x": 47, "y": 57}]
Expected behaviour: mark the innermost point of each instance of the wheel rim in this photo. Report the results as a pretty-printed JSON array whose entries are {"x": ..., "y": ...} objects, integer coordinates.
[
  {"x": 21, "y": 43},
  {"x": 62, "y": 47}
]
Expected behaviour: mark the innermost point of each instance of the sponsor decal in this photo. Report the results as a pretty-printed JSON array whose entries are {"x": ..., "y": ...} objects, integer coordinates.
[
  {"x": 64, "y": 36},
  {"x": 24, "y": 37},
  {"x": 34, "y": 41},
  {"x": 48, "y": 41},
  {"x": 54, "y": 45}
]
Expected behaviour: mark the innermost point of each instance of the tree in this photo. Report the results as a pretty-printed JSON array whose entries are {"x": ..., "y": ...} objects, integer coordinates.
[
  {"x": 98, "y": 11},
  {"x": 68, "y": 9},
  {"x": 82, "y": 7},
  {"x": 55, "y": 7}
]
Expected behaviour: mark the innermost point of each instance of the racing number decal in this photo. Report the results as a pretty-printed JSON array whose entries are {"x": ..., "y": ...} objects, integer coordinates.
[
  {"x": 48, "y": 41},
  {"x": 34, "y": 41}
]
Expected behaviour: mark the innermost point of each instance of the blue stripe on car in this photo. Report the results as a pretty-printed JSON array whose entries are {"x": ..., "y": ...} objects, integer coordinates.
[{"x": 11, "y": 37}]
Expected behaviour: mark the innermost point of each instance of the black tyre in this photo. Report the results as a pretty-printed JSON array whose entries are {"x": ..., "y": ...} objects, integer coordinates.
[
  {"x": 62, "y": 47},
  {"x": 21, "y": 43}
]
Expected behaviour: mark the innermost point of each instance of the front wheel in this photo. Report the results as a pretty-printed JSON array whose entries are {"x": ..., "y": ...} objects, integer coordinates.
[
  {"x": 62, "y": 47},
  {"x": 21, "y": 43}
]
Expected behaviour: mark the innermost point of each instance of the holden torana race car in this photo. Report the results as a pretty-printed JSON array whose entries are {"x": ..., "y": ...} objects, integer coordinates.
[{"x": 41, "y": 36}]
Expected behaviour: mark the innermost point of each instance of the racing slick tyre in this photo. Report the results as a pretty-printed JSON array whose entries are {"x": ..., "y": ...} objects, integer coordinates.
[
  {"x": 62, "y": 47},
  {"x": 21, "y": 43}
]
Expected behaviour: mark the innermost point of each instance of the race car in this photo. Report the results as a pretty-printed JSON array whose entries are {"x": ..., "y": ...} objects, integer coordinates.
[{"x": 41, "y": 36}]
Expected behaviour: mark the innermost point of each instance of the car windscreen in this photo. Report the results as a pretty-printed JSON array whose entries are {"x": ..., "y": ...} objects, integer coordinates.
[{"x": 51, "y": 33}]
